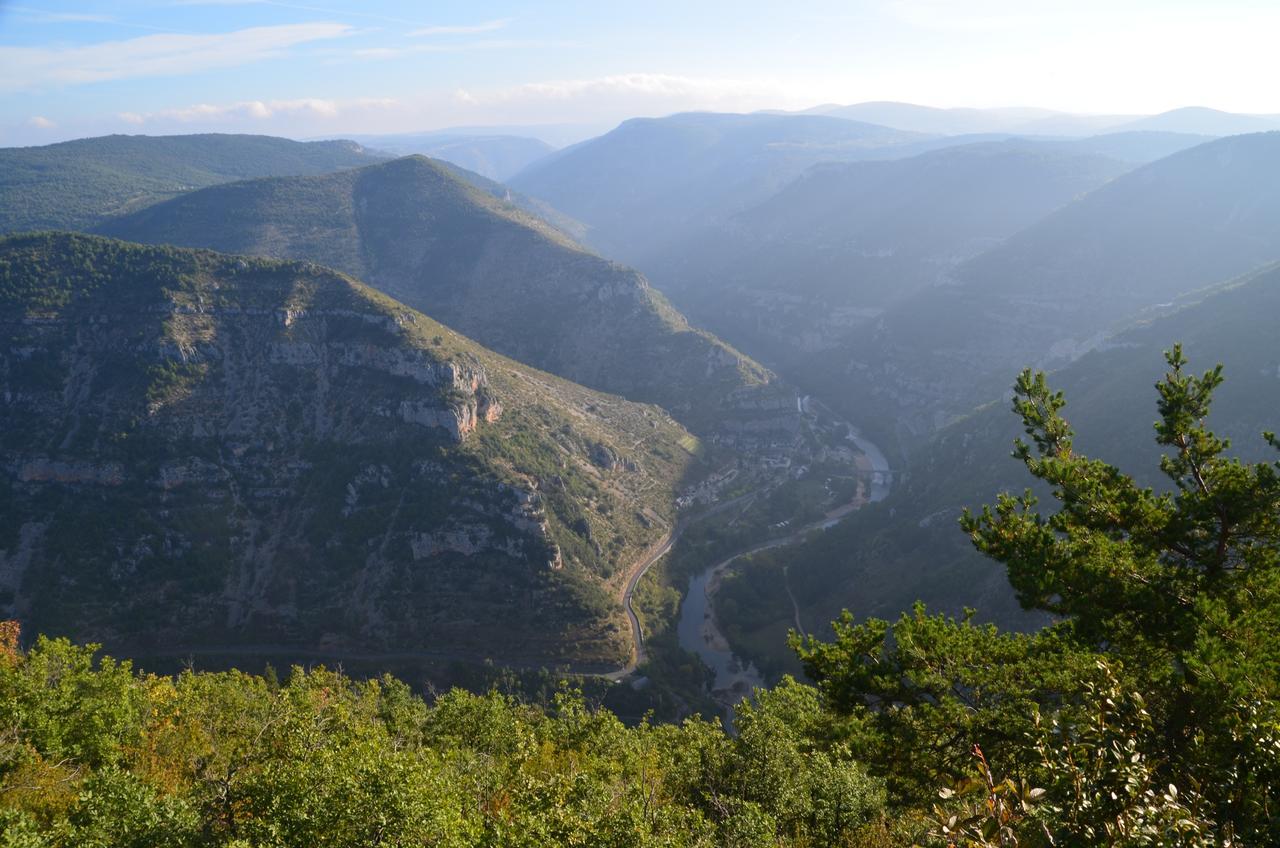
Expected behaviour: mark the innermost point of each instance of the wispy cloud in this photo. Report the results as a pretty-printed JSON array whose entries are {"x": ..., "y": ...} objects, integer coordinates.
[
  {"x": 304, "y": 7},
  {"x": 40, "y": 122},
  {"x": 29, "y": 15},
  {"x": 40, "y": 16},
  {"x": 463, "y": 29},
  {"x": 171, "y": 54},
  {"x": 250, "y": 110}
]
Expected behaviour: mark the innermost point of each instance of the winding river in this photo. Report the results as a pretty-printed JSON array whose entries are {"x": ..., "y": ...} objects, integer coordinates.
[{"x": 697, "y": 630}]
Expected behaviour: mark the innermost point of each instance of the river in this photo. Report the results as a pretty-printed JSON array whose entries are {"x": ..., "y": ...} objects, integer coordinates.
[{"x": 697, "y": 630}]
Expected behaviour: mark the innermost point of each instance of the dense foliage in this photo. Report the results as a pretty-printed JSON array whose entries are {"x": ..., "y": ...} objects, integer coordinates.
[
  {"x": 1147, "y": 715},
  {"x": 92, "y": 753}
]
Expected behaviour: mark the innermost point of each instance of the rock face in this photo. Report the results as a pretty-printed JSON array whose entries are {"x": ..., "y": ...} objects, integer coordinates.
[{"x": 202, "y": 450}]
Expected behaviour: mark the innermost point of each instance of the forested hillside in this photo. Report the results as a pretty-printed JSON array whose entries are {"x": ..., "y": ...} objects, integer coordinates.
[
  {"x": 76, "y": 185},
  {"x": 1122, "y": 253},
  {"x": 208, "y": 453}
]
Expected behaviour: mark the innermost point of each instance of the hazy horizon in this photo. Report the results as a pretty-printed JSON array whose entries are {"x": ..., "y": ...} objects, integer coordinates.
[{"x": 71, "y": 70}]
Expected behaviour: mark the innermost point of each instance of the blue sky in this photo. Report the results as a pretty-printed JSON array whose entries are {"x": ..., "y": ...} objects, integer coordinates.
[{"x": 79, "y": 67}]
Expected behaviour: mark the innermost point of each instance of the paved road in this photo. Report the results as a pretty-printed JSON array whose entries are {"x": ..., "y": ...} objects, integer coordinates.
[{"x": 638, "y": 656}]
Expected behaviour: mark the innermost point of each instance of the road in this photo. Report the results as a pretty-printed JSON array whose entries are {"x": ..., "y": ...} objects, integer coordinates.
[{"x": 655, "y": 553}]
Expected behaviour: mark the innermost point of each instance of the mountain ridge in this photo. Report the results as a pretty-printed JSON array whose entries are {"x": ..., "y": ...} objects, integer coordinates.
[{"x": 482, "y": 266}]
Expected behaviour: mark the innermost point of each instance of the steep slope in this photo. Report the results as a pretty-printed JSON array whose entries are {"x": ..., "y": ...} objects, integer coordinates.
[
  {"x": 909, "y": 547},
  {"x": 206, "y": 451},
  {"x": 79, "y": 184},
  {"x": 653, "y": 179},
  {"x": 836, "y": 246},
  {"x": 415, "y": 231},
  {"x": 1056, "y": 289}
]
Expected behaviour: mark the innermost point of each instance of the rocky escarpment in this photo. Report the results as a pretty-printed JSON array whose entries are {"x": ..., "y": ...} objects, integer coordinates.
[{"x": 206, "y": 450}]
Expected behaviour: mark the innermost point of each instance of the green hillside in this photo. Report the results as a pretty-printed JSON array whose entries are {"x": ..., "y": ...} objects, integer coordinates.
[
  {"x": 1145, "y": 716},
  {"x": 206, "y": 452},
  {"x": 482, "y": 266},
  {"x": 76, "y": 185}
]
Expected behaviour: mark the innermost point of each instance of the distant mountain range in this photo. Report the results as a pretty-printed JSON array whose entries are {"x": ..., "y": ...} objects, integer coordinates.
[
  {"x": 231, "y": 429},
  {"x": 652, "y": 180},
  {"x": 494, "y": 156},
  {"x": 835, "y": 247},
  {"x": 215, "y": 452},
  {"x": 1197, "y": 120},
  {"x": 935, "y": 121}
]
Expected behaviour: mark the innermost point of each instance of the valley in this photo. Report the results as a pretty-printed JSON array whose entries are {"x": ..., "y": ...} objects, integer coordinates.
[
  {"x": 871, "y": 268},
  {"x": 660, "y": 425}
]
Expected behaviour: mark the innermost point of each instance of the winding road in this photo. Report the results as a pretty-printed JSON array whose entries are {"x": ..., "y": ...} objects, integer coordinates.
[
  {"x": 660, "y": 549},
  {"x": 657, "y": 552}
]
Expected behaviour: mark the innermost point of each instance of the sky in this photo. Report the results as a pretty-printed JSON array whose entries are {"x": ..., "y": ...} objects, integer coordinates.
[{"x": 313, "y": 68}]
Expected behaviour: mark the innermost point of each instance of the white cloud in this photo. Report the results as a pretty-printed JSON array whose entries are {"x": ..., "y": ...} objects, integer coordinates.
[
  {"x": 40, "y": 122},
  {"x": 28, "y": 68},
  {"x": 462, "y": 29}
]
